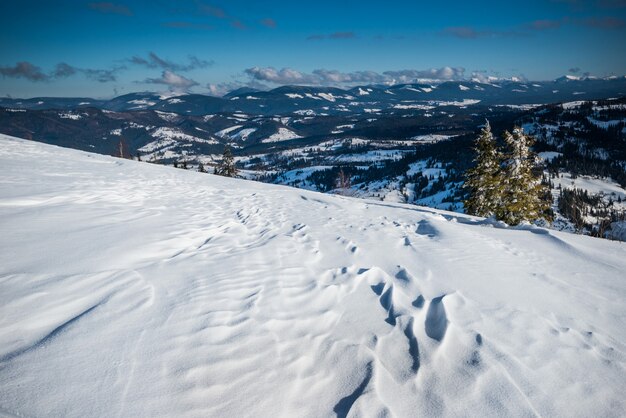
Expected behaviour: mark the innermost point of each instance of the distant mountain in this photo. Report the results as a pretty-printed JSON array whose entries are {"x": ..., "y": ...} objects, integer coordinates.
[
  {"x": 39, "y": 103},
  {"x": 132, "y": 101},
  {"x": 194, "y": 104},
  {"x": 240, "y": 91},
  {"x": 287, "y": 100}
]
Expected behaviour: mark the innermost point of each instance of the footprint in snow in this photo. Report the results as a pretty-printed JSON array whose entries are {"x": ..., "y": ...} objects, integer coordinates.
[{"x": 436, "y": 320}]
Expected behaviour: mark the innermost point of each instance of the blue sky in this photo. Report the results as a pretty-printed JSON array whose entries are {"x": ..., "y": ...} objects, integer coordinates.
[{"x": 102, "y": 48}]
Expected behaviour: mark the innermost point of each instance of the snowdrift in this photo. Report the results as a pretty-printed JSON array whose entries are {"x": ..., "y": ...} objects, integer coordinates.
[{"x": 130, "y": 289}]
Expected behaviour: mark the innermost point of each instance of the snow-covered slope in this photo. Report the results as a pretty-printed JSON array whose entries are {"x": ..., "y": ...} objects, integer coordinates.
[{"x": 130, "y": 289}]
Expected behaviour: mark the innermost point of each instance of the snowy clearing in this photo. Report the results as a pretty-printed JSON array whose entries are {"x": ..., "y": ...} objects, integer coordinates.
[
  {"x": 432, "y": 138},
  {"x": 224, "y": 132},
  {"x": 132, "y": 289},
  {"x": 283, "y": 134}
]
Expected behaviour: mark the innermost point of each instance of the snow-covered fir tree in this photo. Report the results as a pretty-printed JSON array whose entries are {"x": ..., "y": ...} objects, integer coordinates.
[
  {"x": 483, "y": 180},
  {"x": 521, "y": 190},
  {"x": 227, "y": 166}
]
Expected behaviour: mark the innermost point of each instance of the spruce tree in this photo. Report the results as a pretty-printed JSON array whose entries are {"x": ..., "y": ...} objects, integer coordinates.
[
  {"x": 521, "y": 190},
  {"x": 227, "y": 166},
  {"x": 483, "y": 180}
]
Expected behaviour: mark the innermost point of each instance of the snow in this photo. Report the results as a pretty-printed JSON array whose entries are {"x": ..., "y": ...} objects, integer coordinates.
[
  {"x": 167, "y": 116},
  {"x": 521, "y": 107},
  {"x": 432, "y": 138},
  {"x": 244, "y": 134},
  {"x": 224, "y": 132},
  {"x": 413, "y": 106},
  {"x": 301, "y": 174},
  {"x": 593, "y": 185},
  {"x": 310, "y": 96},
  {"x": 142, "y": 103},
  {"x": 335, "y": 144},
  {"x": 572, "y": 105},
  {"x": 173, "y": 133},
  {"x": 283, "y": 120},
  {"x": 606, "y": 124},
  {"x": 362, "y": 92},
  {"x": 163, "y": 95},
  {"x": 134, "y": 125},
  {"x": 549, "y": 155},
  {"x": 305, "y": 112},
  {"x": 70, "y": 115},
  {"x": 328, "y": 96},
  {"x": 463, "y": 88},
  {"x": 283, "y": 134},
  {"x": 294, "y": 96},
  {"x": 618, "y": 106},
  {"x": 133, "y": 289},
  {"x": 618, "y": 230},
  {"x": 370, "y": 156},
  {"x": 462, "y": 103},
  {"x": 169, "y": 137},
  {"x": 341, "y": 128}
]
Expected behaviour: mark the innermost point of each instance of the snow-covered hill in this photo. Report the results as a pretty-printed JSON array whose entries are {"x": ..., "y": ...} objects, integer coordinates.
[{"x": 131, "y": 289}]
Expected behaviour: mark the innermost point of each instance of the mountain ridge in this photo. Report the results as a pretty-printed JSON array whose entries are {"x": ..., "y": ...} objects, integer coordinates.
[{"x": 287, "y": 99}]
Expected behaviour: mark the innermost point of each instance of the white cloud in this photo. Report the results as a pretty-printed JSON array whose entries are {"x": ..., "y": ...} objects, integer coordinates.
[
  {"x": 336, "y": 78},
  {"x": 173, "y": 81},
  {"x": 283, "y": 76}
]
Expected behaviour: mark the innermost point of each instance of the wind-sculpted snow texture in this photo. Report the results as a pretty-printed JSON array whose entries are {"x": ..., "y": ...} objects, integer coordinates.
[{"x": 131, "y": 289}]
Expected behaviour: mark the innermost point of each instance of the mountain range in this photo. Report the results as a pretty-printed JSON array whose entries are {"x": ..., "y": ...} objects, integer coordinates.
[{"x": 359, "y": 99}]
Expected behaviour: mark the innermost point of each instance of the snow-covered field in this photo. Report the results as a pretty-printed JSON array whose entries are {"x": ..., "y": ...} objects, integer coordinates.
[
  {"x": 283, "y": 134},
  {"x": 131, "y": 289}
]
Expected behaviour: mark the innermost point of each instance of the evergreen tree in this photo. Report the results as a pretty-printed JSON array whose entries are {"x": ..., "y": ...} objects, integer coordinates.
[
  {"x": 521, "y": 190},
  {"x": 483, "y": 181},
  {"x": 201, "y": 168},
  {"x": 227, "y": 166}
]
